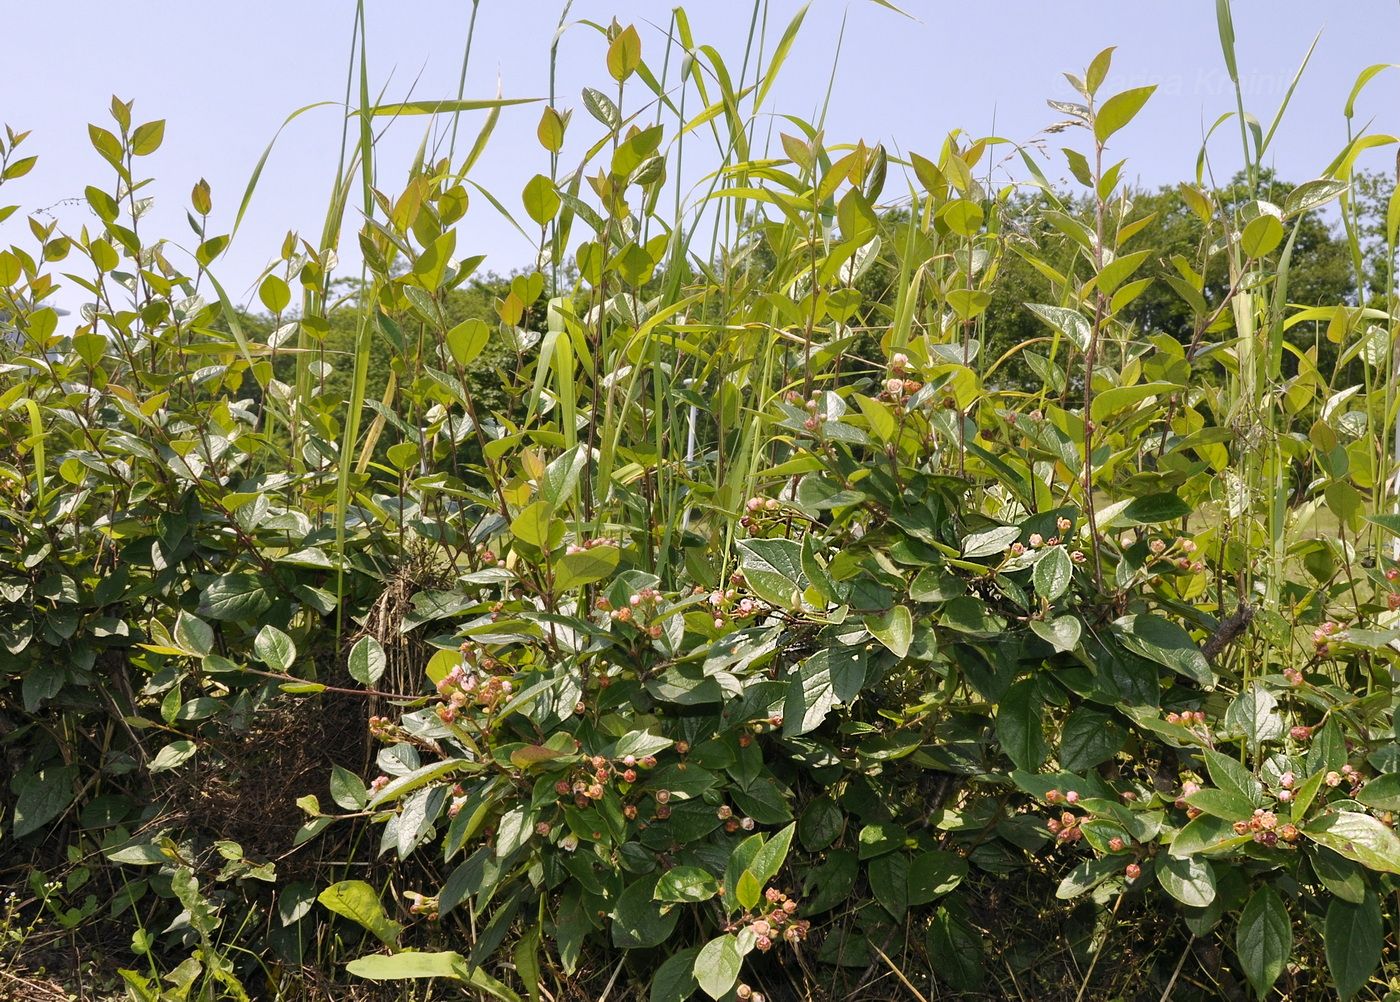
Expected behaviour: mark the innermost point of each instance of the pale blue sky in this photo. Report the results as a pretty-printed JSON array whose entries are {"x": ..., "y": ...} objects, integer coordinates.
[{"x": 224, "y": 75}]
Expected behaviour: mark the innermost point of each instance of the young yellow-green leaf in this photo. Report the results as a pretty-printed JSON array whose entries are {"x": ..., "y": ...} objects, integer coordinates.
[
  {"x": 357, "y": 901},
  {"x": 467, "y": 340},
  {"x": 1261, "y": 235},
  {"x": 274, "y": 294},
  {"x": 541, "y": 199},
  {"x": 585, "y": 567},
  {"x": 407, "y": 965},
  {"x": 533, "y": 525},
  {"x": 147, "y": 138},
  {"x": 625, "y": 54},
  {"x": 1119, "y": 110},
  {"x": 1119, "y": 270},
  {"x": 878, "y": 416},
  {"x": 1098, "y": 70},
  {"x": 551, "y": 129}
]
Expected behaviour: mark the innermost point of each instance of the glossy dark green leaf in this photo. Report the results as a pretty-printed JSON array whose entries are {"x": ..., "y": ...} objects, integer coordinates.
[
  {"x": 1353, "y": 937},
  {"x": 1263, "y": 939}
]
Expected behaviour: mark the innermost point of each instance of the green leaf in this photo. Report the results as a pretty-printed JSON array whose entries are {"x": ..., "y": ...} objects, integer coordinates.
[
  {"x": 1062, "y": 633},
  {"x": 1382, "y": 793},
  {"x": 1353, "y": 937},
  {"x": 770, "y": 858},
  {"x": 1264, "y": 939},
  {"x": 467, "y": 340},
  {"x": 147, "y": 138},
  {"x": 1053, "y": 573},
  {"x": 274, "y": 648},
  {"x": 956, "y": 951},
  {"x": 1119, "y": 110},
  {"x": 541, "y": 199},
  {"x": 638, "y": 921},
  {"x": 574, "y": 570},
  {"x": 1359, "y": 837},
  {"x": 357, "y": 901},
  {"x": 42, "y": 796},
  {"x": 894, "y": 628},
  {"x": 193, "y": 634},
  {"x": 773, "y": 570},
  {"x": 821, "y": 824},
  {"x": 411, "y": 964},
  {"x": 1089, "y": 737},
  {"x": 241, "y": 597},
  {"x": 674, "y": 980},
  {"x": 1221, "y": 804},
  {"x": 686, "y": 883},
  {"x": 717, "y": 966},
  {"x": 1229, "y": 775},
  {"x": 1206, "y": 834},
  {"x": 1261, "y": 235},
  {"x": 174, "y": 754},
  {"x": 367, "y": 661},
  {"x": 933, "y": 874},
  {"x": 1255, "y": 715},
  {"x": 1152, "y": 509},
  {"x": 1166, "y": 643},
  {"x": 989, "y": 541},
  {"x": 1019, "y": 727},
  {"x": 347, "y": 789},
  {"x": 889, "y": 882},
  {"x": 831, "y": 676},
  {"x": 1189, "y": 879}
]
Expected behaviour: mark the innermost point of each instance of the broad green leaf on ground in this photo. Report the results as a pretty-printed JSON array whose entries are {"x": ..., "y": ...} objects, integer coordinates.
[{"x": 358, "y": 901}]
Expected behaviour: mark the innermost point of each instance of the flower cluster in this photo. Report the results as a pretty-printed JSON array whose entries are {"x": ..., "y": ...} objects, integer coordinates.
[
  {"x": 472, "y": 685},
  {"x": 1348, "y": 775},
  {"x": 812, "y": 405},
  {"x": 1190, "y": 719},
  {"x": 422, "y": 905},
  {"x": 1263, "y": 826},
  {"x": 725, "y": 604},
  {"x": 641, "y": 607},
  {"x": 1065, "y": 828},
  {"x": 1324, "y": 633},
  {"x": 775, "y": 919},
  {"x": 732, "y": 823},
  {"x": 590, "y": 783},
  {"x": 488, "y": 557}
]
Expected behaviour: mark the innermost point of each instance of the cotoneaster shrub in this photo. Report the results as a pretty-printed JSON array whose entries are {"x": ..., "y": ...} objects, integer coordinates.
[{"x": 712, "y": 613}]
